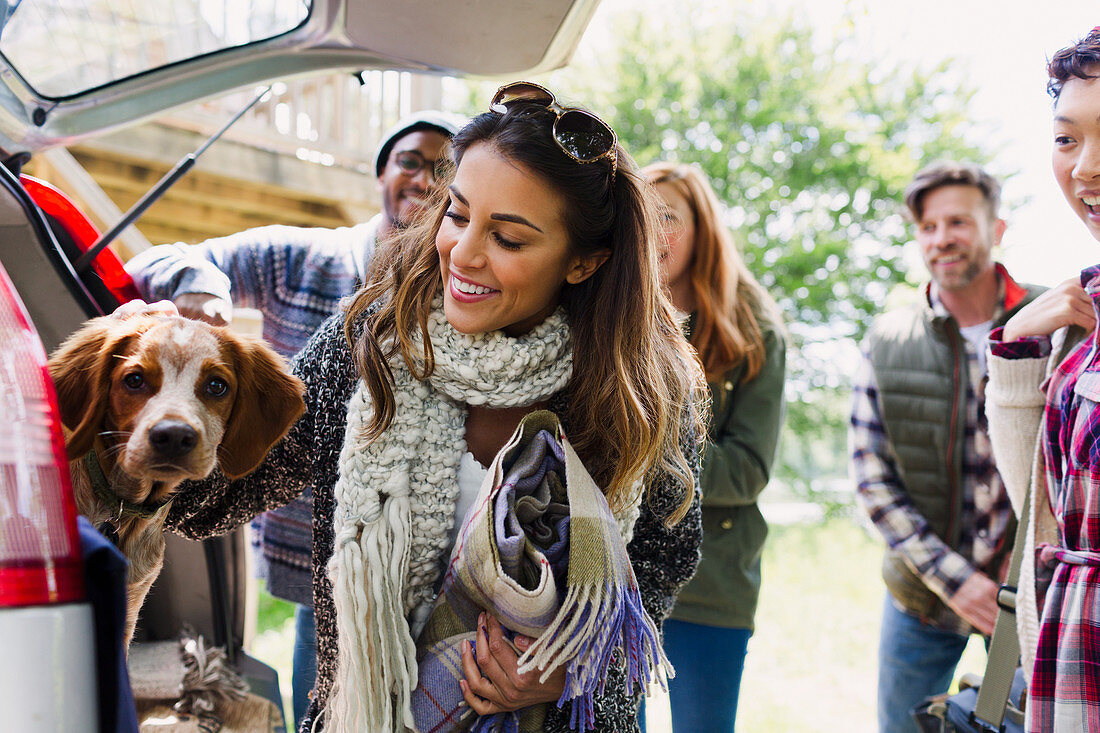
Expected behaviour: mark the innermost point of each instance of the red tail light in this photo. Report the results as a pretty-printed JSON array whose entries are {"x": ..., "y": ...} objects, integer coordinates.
[
  {"x": 40, "y": 560},
  {"x": 107, "y": 264}
]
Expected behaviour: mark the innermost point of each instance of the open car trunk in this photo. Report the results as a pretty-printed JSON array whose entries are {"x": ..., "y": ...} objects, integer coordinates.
[
  {"x": 72, "y": 69},
  {"x": 203, "y": 584}
]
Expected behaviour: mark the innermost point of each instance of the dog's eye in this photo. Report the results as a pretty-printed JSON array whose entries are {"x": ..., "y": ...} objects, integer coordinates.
[
  {"x": 133, "y": 381},
  {"x": 216, "y": 387}
]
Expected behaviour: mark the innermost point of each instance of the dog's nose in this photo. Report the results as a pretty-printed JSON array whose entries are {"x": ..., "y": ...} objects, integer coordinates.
[{"x": 172, "y": 438}]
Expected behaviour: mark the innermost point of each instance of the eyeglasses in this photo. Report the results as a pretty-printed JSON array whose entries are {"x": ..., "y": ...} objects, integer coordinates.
[
  {"x": 411, "y": 162},
  {"x": 581, "y": 135}
]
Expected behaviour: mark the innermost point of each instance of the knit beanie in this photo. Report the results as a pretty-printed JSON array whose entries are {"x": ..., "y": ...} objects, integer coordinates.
[{"x": 429, "y": 119}]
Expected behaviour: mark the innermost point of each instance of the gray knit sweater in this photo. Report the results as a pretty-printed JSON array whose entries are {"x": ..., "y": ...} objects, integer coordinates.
[{"x": 663, "y": 558}]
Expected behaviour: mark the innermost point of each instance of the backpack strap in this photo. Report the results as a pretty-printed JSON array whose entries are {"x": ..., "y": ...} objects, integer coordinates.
[{"x": 1004, "y": 649}]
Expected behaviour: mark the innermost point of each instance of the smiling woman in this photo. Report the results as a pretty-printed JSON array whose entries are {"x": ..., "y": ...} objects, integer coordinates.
[
  {"x": 1076, "y": 154},
  {"x": 1048, "y": 448},
  {"x": 503, "y": 270},
  {"x": 530, "y": 282}
]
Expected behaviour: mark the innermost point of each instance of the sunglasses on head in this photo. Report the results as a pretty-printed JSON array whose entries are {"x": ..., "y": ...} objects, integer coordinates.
[{"x": 581, "y": 135}]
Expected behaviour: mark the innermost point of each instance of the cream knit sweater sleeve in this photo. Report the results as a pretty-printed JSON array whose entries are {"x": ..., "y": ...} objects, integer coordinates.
[{"x": 1014, "y": 409}]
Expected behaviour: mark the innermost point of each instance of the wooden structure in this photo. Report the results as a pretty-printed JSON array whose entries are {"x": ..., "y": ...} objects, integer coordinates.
[{"x": 302, "y": 157}]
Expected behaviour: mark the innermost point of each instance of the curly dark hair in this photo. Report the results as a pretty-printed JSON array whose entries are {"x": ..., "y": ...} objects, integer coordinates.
[{"x": 1079, "y": 61}]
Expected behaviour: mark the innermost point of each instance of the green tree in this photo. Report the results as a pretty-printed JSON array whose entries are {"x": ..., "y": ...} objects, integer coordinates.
[
  {"x": 808, "y": 143},
  {"x": 809, "y": 146}
]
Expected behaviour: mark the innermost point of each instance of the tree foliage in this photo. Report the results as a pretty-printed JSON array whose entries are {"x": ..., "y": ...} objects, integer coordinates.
[
  {"x": 809, "y": 147},
  {"x": 808, "y": 144}
]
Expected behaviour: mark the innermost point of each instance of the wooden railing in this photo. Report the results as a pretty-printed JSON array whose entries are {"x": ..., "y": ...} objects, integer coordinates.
[
  {"x": 328, "y": 126},
  {"x": 334, "y": 120}
]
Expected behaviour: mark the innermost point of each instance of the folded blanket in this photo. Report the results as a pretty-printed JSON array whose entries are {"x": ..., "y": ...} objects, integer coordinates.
[{"x": 541, "y": 551}]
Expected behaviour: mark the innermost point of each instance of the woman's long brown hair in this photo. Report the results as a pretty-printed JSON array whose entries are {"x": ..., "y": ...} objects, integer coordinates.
[
  {"x": 728, "y": 298},
  {"x": 636, "y": 385}
]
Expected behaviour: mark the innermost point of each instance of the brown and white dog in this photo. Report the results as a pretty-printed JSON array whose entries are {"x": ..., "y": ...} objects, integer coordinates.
[{"x": 149, "y": 401}]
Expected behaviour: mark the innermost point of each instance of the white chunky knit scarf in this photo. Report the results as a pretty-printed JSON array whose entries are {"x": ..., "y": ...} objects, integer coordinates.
[{"x": 395, "y": 501}]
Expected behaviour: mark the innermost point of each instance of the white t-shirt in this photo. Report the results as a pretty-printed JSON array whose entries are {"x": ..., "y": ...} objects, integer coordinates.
[
  {"x": 977, "y": 336},
  {"x": 471, "y": 474}
]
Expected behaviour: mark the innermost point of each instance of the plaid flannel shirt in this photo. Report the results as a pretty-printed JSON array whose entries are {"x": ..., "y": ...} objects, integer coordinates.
[
  {"x": 1065, "y": 685},
  {"x": 986, "y": 511}
]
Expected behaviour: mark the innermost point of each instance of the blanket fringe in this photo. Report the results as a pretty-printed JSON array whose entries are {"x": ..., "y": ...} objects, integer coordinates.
[
  {"x": 496, "y": 723},
  {"x": 590, "y": 626}
]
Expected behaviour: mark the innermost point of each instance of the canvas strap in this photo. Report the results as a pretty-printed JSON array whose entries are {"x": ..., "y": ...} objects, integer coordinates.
[{"x": 1004, "y": 649}]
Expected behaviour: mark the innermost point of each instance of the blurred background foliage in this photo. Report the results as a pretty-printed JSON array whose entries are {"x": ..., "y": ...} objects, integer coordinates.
[{"x": 809, "y": 145}]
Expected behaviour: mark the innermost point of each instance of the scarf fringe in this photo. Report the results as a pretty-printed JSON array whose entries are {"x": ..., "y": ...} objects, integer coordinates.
[
  {"x": 590, "y": 626},
  {"x": 375, "y": 649}
]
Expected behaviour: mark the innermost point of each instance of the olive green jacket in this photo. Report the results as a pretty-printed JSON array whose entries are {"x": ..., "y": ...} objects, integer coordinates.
[{"x": 737, "y": 464}]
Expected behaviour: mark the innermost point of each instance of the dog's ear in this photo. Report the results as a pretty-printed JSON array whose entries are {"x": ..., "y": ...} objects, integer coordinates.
[
  {"x": 268, "y": 402},
  {"x": 81, "y": 370}
]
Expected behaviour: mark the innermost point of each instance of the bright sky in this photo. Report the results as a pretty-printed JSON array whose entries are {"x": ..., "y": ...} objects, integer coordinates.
[{"x": 1000, "y": 48}]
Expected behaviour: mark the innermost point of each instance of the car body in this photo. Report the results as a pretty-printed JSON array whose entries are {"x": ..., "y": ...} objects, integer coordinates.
[{"x": 72, "y": 69}]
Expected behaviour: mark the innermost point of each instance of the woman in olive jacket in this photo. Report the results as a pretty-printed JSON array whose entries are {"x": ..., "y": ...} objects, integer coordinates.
[{"x": 736, "y": 328}]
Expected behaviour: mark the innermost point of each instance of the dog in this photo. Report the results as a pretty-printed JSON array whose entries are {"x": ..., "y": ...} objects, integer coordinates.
[{"x": 150, "y": 401}]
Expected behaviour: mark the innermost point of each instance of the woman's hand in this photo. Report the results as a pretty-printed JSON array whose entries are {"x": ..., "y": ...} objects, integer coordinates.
[
  {"x": 141, "y": 308},
  {"x": 493, "y": 684},
  {"x": 1064, "y": 305}
]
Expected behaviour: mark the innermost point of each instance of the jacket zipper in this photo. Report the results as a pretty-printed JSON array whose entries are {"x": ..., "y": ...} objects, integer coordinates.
[{"x": 953, "y": 337}]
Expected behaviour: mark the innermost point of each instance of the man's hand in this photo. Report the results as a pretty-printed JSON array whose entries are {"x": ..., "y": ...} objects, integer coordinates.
[
  {"x": 976, "y": 601},
  {"x": 493, "y": 684},
  {"x": 205, "y": 307},
  {"x": 1067, "y": 304},
  {"x": 141, "y": 308}
]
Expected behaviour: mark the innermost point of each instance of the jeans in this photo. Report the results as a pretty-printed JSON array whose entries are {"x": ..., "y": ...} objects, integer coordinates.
[
  {"x": 709, "y": 661},
  {"x": 915, "y": 660},
  {"x": 304, "y": 663}
]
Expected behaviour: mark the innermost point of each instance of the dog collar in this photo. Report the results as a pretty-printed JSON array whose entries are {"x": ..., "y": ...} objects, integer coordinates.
[{"x": 103, "y": 492}]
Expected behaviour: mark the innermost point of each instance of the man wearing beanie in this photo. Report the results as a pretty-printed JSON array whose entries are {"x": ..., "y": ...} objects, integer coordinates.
[
  {"x": 405, "y": 165},
  {"x": 296, "y": 277}
]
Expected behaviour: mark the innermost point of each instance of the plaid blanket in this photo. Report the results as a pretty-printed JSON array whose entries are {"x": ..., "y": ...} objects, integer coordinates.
[{"x": 540, "y": 550}]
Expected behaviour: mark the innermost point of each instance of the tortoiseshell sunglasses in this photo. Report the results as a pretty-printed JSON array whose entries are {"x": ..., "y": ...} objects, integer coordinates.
[{"x": 581, "y": 135}]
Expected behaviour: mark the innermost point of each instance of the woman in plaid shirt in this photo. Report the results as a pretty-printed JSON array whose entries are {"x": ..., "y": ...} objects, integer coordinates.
[{"x": 1059, "y": 608}]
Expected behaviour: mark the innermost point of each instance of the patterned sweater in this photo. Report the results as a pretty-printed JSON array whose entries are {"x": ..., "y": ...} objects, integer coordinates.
[
  {"x": 296, "y": 277},
  {"x": 308, "y": 458}
]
